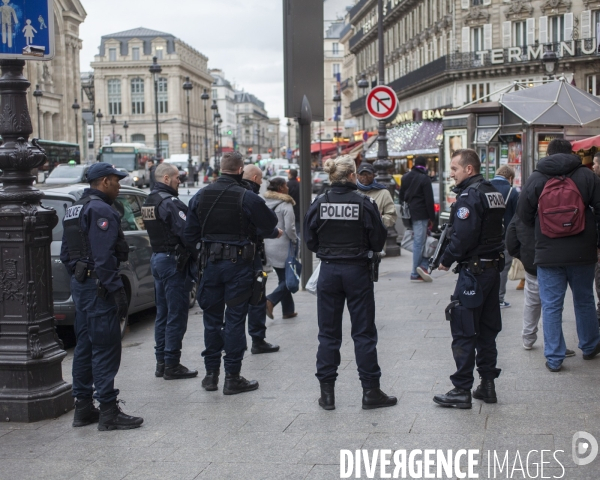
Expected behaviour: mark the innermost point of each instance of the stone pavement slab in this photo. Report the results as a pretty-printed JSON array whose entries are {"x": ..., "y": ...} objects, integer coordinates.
[{"x": 279, "y": 431}]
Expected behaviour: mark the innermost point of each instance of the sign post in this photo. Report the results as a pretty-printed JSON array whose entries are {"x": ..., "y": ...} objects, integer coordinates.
[
  {"x": 32, "y": 387},
  {"x": 382, "y": 102}
]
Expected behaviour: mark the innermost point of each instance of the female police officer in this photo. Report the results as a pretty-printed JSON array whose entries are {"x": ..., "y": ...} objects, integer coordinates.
[{"x": 344, "y": 228}]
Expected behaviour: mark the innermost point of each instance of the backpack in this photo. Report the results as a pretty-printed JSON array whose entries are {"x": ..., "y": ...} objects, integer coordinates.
[{"x": 561, "y": 210}]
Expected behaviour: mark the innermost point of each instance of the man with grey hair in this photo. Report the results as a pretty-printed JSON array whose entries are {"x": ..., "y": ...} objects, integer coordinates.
[
  {"x": 164, "y": 217},
  {"x": 223, "y": 218}
]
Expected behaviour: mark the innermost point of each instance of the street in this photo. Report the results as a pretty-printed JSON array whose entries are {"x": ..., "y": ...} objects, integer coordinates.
[{"x": 279, "y": 431}]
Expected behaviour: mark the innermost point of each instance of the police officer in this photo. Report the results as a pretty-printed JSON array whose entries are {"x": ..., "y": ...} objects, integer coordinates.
[
  {"x": 476, "y": 244},
  {"x": 92, "y": 248},
  {"x": 344, "y": 228},
  {"x": 257, "y": 314},
  {"x": 225, "y": 217},
  {"x": 164, "y": 216}
]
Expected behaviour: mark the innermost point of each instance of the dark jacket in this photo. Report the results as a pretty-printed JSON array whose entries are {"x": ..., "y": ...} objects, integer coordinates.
[
  {"x": 419, "y": 196},
  {"x": 294, "y": 192},
  {"x": 503, "y": 186},
  {"x": 520, "y": 243},
  {"x": 577, "y": 249}
]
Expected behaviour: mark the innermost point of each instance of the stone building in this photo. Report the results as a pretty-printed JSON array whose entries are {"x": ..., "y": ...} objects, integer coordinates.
[
  {"x": 125, "y": 89},
  {"x": 255, "y": 131},
  {"x": 58, "y": 79}
]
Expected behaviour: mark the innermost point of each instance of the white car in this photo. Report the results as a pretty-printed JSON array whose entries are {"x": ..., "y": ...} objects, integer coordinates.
[{"x": 126, "y": 181}]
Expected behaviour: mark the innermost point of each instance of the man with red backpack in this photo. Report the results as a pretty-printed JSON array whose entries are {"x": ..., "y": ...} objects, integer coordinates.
[{"x": 561, "y": 199}]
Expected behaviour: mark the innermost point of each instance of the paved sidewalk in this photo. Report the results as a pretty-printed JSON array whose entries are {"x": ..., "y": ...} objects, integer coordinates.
[{"x": 279, "y": 431}]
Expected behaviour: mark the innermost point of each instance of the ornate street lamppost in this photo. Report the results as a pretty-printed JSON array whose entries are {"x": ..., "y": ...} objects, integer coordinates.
[
  {"x": 32, "y": 387},
  {"x": 113, "y": 122},
  {"x": 38, "y": 94},
  {"x": 215, "y": 108},
  {"x": 204, "y": 98},
  {"x": 187, "y": 86},
  {"x": 219, "y": 129},
  {"x": 125, "y": 127},
  {"x": 337, "y": 99},
  {"x": 550, "y": 63},
  {"x": 363, "y": 84},
  {"x": 99, "y": 116},
  {"x": 155, "y": 70},
  {"x": 75, "y": 108}
]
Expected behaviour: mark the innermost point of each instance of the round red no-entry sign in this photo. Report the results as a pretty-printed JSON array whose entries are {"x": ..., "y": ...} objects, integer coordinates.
[{"x": 382, "y": 102}]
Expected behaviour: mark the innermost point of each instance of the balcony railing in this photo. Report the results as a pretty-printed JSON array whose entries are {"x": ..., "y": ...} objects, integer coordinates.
[{"x": 334, "y": 54}]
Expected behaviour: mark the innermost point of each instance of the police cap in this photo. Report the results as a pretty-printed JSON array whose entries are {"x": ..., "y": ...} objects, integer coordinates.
[{"x": 102, "y": 169}]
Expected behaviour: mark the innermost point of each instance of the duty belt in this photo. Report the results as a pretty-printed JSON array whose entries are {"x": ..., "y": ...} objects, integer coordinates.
[{"x": 91, "y": 274}]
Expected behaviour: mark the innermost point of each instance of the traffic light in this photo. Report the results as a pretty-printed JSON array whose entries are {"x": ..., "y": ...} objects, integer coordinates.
[{"x": 229, "y": 132}]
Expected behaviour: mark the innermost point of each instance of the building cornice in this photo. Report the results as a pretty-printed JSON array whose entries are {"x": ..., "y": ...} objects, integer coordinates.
[
  {"x": 556, "y": 6},
  {"x": 477, "y": 16},
  {"x": 518, "y": 9}
]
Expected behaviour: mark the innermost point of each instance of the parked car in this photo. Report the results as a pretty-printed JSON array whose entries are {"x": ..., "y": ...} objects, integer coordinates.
[
  {"x": 126, "y": 181},
  {"x": 135, "y": 273},
  {"x": 66, "y": 174},
  {"x": 317, "y": 181}
]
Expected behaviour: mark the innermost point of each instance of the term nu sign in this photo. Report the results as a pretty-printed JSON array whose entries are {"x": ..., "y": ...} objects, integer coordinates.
[{"x": 534, "y": 52}]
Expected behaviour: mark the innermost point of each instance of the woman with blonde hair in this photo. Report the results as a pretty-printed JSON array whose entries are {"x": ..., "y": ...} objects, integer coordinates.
[{"x": 344, "y": 228}]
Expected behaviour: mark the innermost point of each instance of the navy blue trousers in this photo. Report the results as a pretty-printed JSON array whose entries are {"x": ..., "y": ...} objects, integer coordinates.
[
  {"x": 171, "y": 290},
  {"x": 257, "y": 314},
  {"x": 338, "y": 284},
  {"x": 474, "y": 333},
  {"x": 225, "y": 329},
  {"x": 97, "y": 355}
]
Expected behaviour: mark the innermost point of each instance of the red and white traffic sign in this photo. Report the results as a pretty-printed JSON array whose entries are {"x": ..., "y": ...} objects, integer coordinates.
[{"x": 382, "y": 102}]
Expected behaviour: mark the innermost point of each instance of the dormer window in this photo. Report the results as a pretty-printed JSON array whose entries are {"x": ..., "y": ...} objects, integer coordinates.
[{"x": 159, "y": 53}]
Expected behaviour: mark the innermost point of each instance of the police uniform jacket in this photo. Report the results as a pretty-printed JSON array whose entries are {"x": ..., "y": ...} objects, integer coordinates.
[
  {"x": 101, "y": 227},
  {"x": 476, "y": 222},
  {"x": 164, "y": 216},
  {"x": 343, "y": 225},
  {"x": 262, "y": 221}
]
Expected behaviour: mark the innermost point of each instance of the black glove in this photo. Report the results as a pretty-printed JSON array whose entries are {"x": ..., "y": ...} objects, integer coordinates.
[{"x": 121, "y": 302}]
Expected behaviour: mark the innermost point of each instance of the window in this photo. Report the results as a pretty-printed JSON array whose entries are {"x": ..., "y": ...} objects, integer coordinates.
[
  {"x": 159, "y": 53},
  {"x": 556, "y": 27},
  {"x": 112, "y": 54},
  {"x": 336, "y": 69},
  {"x": 130, "y": 212},
  {"x": 335, "y": 48},
  {"x": 135, "y": 53},
  {"x": 476, "y": 91},
  {"x": 215, "y": 94},
  {"x": 163, "y": 96},
  {"x": 137, "y": 96},
  {"x": 593, "y": 84},
  {"x": 519, "y": 34},
  {"x": 476, "y": 39},
  {"x": 114, "y": 96},
  {"x": 138, "y": 138}
]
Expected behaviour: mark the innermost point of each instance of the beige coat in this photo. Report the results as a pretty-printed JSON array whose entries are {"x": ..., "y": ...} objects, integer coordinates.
[{"x": 385, "y": 204}]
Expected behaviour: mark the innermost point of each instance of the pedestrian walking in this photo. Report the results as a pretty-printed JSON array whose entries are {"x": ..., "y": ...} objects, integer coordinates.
[
  {"x": 366, "y": 184},
  {"x": 416, "y": 190},
  {"x": 520, "y": 243},
  {"x": 344, "y": 228},
  {"x": 279, "y": 200},
  {"x": 196, "y": 170},
  {"x": 257, "y": 314},
  {"x": 224, "y": 217},
  {"x": 476, "y": 244},
  {"x": 596, "y": 168},
  {"x": 164, "y": 217},
  {"x": 294, "y": 192},
  {"x": 93, "y": 245},
  {"x": 503, "y": 181},
  {"x": 566, "y": 245}
]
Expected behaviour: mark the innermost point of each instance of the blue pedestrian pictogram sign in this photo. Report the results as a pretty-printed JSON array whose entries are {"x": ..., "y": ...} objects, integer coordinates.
[{"x": 27, "y": 29}]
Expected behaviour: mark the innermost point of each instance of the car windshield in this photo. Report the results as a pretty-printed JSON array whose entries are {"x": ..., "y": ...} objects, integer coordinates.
[
  {"x": 60, "y": 206},
  {"x": 75, "y": 171}
]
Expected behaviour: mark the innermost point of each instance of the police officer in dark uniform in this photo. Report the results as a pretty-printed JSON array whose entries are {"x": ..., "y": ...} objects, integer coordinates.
[
  {"x": 92, "y": 248},
  {"x": 344, "y": 228},
  {"x": 257, "y": 314},
  {"x": 164, "y": 216},
  {"x": 476, "y": 244},
  {"x": 224, "y": 217}
]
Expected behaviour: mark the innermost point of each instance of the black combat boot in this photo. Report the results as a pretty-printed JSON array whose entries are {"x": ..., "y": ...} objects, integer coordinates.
[
  {"x": 261, "y": 346},
  {"x": 210, "y": 383},
  {"x": 486, "y": 391},
  {"x": 234, "y": 383},
  {"x": 457, "y": 397},
  {"x": 85, "y": 412},
  {"x": 327, "y": 400},
  {"x": 177, "y": 372},
  {"x": 160, "y": 369},
  {"x": 112, "y": 418},
  {"x": 375, "y": 398}
]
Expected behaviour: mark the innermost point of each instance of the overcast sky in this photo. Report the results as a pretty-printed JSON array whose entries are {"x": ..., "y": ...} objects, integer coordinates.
[{"x": 242, "y": 37}]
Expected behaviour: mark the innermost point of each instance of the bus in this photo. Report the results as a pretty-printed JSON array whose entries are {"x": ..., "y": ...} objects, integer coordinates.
[{"x": 130, "y": 156}]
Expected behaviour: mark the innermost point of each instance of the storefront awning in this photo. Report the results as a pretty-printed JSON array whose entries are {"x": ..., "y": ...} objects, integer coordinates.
[
  {"x": 553, "y": 103},
  {"x": 417, "y": 138},
  {"x": 586, "y": 143},
  {"x": 323, "y": 147}
]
